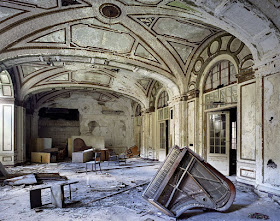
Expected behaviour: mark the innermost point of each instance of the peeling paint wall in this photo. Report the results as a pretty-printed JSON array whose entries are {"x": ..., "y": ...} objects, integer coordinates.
[
  {"x": 111, "y": 120},
  {"x": 248, "y": 121},
  {"x": 271, "y": 130},
  {"x": 191, "y": 124},
  {"x": 59, "y": 130}
]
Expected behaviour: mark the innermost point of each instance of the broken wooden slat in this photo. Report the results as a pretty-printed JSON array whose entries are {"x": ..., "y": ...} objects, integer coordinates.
[
  {"x": 121, "y": 191},
  {"x": 49, "y": 176}
]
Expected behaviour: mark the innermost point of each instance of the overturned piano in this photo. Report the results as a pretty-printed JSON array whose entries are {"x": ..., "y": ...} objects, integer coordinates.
[{"x": 186, "y": 182}]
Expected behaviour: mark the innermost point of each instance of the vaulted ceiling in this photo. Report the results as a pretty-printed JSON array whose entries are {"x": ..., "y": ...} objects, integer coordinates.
[{"x": 121, "y": 47}]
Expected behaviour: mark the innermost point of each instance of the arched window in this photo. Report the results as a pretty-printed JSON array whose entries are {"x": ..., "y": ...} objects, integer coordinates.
[
  {"x": 162, "y": 100},
  {"x": 138, "y": 111},
  {"x": 221, "y": 74},
  {"x": 6, "y": 86}
]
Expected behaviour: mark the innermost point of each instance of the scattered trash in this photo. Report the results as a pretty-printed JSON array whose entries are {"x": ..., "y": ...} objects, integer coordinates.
[
  {"x": 258, "y": 216},
  {"x": 37, "y": 210}
]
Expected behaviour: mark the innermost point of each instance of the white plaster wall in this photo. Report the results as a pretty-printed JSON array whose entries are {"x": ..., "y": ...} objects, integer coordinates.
[
  {"x": 271, "y": 130},
  {"x": 246, "y": 133},
  {"x": 248, "y": 121},
  {"x": 191, "y": 124},
  {"x": 117, "y": 129}
]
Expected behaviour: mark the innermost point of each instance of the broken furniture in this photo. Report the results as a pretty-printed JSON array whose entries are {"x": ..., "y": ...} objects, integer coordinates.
[
  {"x": 132, "y": 152},
  {"x": 95, "y": 142},
  {"x": 45, "y": 156},
  {"x": 185, "y": 181},
  {"x": 42, "y": 151},
  {"x": 80, "y": 145},
  {"x": 96, "y": 160},
  {"x": 40, "y": 157},
  {"x": 57, "y": 195},
  {"x": 117, "y": 158},
  {"x": 104, "y": 154},
  {"x": 113, "y": 156},
  {"x": 82, "y": 156},
  {"x": 31, "y": 178},
  {"x": 122, "y": 158}
]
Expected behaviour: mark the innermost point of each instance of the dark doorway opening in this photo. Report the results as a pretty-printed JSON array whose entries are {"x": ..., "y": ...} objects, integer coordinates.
[
  {"x": 233, "y": 141},
  {"x": 167, "y": 136}
]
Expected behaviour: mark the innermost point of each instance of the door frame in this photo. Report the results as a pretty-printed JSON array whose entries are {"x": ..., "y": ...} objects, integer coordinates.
[{"x": 215, "y": 158}]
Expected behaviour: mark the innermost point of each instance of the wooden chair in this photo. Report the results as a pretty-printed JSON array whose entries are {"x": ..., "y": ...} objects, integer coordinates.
[
  {"x": 96, "y": 160},
  {"x": 122, "y": 158},
  {"x": 113, "y": 157}
]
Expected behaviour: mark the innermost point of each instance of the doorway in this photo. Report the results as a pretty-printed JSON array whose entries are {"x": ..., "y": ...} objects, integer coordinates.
[
  {"x": 222, "y": 140},
  {"x": 164, "y": 136}
]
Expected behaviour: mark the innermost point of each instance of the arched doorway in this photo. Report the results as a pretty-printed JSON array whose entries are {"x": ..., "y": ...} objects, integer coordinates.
[
  {"x": 220, "y": 112},
  {"x": 163, "y": 123}
]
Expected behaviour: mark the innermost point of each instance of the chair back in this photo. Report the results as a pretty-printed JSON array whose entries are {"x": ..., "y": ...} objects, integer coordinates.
[{"x": 97, "y": 156}]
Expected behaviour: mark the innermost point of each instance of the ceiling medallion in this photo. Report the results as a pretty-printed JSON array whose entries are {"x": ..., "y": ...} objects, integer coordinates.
[{"x": 110, "y": 10}]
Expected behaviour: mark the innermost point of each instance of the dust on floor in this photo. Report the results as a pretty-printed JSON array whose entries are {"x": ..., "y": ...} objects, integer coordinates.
[{"x": 125, "y": 206}]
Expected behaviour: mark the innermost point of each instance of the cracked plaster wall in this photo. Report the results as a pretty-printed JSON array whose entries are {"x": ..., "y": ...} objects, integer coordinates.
[
  {"x": 271, "y": 130},
  {"x": 115, "y": 127}
]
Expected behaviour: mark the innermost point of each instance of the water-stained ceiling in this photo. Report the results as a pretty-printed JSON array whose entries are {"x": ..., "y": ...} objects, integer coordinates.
[{"x": 118, "y": 46}]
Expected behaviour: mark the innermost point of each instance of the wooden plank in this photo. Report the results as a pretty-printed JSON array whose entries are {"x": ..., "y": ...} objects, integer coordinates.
[
  {"x": 70, "y": 147},
  {"x": 40, "y": 157}
]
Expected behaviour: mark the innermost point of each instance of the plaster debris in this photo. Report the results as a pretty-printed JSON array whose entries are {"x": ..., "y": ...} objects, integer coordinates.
[
  {"x": 258, "y": 216},
  {"x": 20, "y": 180},
  {"x": 125, "y": 206}
]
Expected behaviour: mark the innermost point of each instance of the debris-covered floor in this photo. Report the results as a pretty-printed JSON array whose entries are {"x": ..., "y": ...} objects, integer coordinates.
[{"x": 128, "y": 205}]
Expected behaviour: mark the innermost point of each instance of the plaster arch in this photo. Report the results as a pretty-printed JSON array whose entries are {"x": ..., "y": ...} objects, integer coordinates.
[
  {"x": 61, "y": 91},
  {"x": 247, "y": 22},
  {"x": 200, "y": 113},
  {"x": 218, "y": 58}
]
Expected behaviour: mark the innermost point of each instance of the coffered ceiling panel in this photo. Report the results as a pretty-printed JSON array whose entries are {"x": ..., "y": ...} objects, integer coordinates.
[
  {"x": 96, "y": 78},
  {"x": 46, "y": 4},
  {"x": 7, "y": 12},
  {"x": 179, "y": 29},
  {"x": 91, "y": 37},
  {"x": 53, "y": 37}
]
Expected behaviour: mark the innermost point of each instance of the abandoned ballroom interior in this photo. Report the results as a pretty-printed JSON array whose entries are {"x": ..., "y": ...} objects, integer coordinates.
[{"x": 147, "y": 73}]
